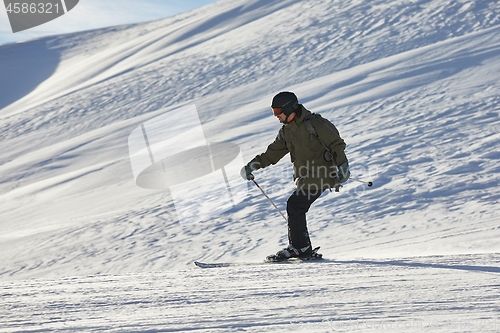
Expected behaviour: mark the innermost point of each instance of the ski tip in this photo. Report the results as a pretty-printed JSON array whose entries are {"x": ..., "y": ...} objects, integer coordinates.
[
  {"x": 212, "y": 265},
  {"x": 200, "y": 264}
]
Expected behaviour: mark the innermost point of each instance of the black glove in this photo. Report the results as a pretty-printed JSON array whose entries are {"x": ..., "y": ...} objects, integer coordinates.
[
  {"x": 246, "y": 171},
  {"x": 344, "y": 173}
]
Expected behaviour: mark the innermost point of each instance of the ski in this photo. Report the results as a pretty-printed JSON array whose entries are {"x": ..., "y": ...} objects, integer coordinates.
[
  {"x": 226, "y": 264},
  {"x": 265, "y": 262},
  {"x": 269, "y": 260}
]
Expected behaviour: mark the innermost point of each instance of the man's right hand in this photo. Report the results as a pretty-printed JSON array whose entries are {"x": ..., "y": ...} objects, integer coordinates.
[
  {"x": 344, "y": 173},
  {"x": 246, "y": 171}
]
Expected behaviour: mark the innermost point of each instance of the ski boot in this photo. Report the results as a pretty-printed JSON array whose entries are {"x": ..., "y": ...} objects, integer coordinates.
[{"x": 305, "y": 253}]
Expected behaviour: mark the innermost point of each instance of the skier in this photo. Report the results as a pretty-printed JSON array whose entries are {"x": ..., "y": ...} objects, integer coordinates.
[{"x": 319, "y": 163}]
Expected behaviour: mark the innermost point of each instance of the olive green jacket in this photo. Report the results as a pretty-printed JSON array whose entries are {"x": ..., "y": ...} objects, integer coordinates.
[{"x": 311, "y": 171}]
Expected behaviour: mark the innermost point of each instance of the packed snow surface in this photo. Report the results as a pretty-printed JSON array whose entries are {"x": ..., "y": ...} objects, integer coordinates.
[
  {"x": 412, "y": 87},
  {"x": 453, "y": 294}
]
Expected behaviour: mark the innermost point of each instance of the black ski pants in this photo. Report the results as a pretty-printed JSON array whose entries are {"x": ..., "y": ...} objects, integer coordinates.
[{"x": 297, "y": 206}]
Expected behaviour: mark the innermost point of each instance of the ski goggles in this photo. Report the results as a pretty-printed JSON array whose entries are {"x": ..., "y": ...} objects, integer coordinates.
[{"x": 277, "y": 111}]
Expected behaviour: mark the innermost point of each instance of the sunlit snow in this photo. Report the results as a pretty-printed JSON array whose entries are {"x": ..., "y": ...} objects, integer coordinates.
[{"x": 412, "y": 87}]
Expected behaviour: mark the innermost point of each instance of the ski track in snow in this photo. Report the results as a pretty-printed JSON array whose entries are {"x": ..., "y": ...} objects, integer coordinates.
[{"x": 413, "y": 88}]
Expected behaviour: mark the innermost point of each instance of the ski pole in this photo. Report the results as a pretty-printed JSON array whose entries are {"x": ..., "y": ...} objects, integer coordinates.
[
  {"x": 272, "y": 203},
  {"x": 361, "y": 181}
]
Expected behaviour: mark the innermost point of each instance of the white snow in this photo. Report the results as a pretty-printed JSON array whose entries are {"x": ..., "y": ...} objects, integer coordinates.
[{"x": 411, "y": 85}]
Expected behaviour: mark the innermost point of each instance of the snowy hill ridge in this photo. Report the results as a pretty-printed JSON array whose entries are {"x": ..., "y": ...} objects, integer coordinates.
[{"x": 412, "y": 86}]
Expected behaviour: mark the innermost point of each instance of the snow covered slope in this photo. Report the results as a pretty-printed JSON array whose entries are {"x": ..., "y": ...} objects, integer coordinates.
[
  {"x": 423, "y": 295},
  {"x": 411, "y": 85}
]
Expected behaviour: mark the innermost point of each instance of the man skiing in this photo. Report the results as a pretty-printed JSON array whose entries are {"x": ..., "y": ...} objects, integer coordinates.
[{"x": 319, "y": 163}]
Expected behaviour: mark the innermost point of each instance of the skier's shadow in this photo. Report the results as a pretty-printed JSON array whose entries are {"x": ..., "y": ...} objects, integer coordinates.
[{"x": 487, "y": 269}]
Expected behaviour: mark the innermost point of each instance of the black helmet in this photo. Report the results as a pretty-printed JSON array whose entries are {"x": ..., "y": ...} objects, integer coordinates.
[{"x": 287, "y": 101}]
